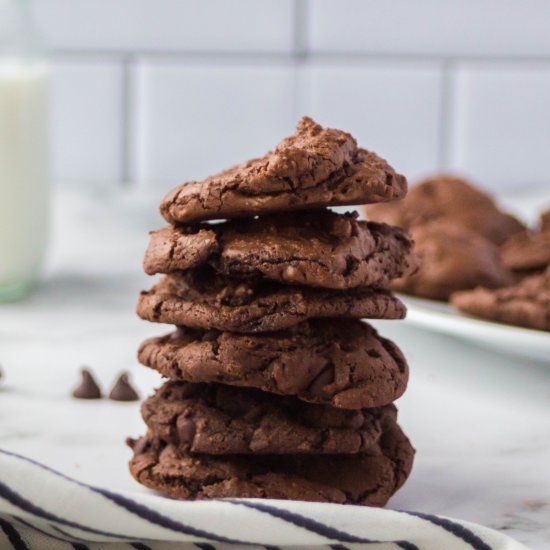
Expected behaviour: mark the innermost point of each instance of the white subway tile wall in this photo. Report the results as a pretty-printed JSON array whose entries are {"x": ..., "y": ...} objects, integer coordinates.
[
  {"x": 431, "y": 27},
  {"x": 196, "y": 119},
  {"x": 167, "y": 25},
  {"x": 87, "y": 122},
  {"x": 155, "y": 92},
  {"x": 500, "y": 127},
  {"x": 391, "y": 108}
]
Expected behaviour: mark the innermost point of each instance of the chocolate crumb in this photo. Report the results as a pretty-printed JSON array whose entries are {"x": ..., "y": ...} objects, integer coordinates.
[
  {"x": 122, "y": 390},
  {"x": 88, "y": 387}
]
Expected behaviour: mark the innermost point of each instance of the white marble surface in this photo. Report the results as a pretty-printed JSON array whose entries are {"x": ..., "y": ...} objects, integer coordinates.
[{"x": 480, "y": 421}]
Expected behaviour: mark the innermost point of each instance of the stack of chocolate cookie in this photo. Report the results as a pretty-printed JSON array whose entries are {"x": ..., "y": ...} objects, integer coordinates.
[{"x": 276, "y": 387}]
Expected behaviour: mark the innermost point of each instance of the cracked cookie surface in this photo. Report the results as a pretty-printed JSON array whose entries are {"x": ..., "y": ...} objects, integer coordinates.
[
  {"x": 343, "y": 363},
  {"x": 200, "y": 298},
  {"x": 368, "y": 479},
  {"x": 312, "y": 168},
  {"x": 218, "y": 420},
  {"x": 317, "y": 248}
]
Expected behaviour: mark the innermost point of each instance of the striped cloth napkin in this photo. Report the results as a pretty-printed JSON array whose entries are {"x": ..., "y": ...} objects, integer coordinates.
[{"x": 43, "y": 509}]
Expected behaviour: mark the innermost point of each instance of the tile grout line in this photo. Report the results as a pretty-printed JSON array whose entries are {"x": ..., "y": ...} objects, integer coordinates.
[
  {"x": 175, "y": 55},
  {"x": 300, "y": 34},
  {"x": 300, "y": 49},
  {"x": 300, "y": 53},
  {"x": 126, "y": 98}
]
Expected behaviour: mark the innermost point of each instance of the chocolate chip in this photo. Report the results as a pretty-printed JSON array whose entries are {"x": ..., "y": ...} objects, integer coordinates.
[
  {"x": 186, "y": 430},
  {"x": 88, "y": 387},
  {"x": 122, "y": 390},
  {"x": 140, "y": 445},
  {"x": 324, "y": 378}
]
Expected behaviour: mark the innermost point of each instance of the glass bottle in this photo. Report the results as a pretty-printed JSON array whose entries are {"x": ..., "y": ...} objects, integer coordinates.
[{"x": 24, "y": 150}]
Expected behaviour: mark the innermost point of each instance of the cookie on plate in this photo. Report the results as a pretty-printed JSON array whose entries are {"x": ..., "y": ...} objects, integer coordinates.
[
  {"x": 369, "y": 479},
  {"x": 528, "y": 250},
  {"x": 452, "y": 258},
  {"x": 218, "y": 420},
  {"x": 317, "y": 248},
  {"x": 200, "y": 298},
  {"x": 343, "y": 363},
  {"x": 452, "y": 199},
  {"x": 314, "y": 167},
  {"x": 526, "y": 304}
]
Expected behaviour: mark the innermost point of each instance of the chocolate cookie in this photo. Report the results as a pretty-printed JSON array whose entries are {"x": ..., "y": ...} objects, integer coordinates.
[
  {"x": 317, "y": 248},
  {"x": 200, "y": 298},
  {"x": 452, "y": 258},
  {"x": 314, "y": 167},
  {"x": 343, "y": 363},
  {"x": 369, "y": 479},
  {"x": 526, "y": 251},
  {"x": 525, "y": 304},
  {"x": 545, "y": 221},
  {"x": 452, "y": 199},
  {"x": 218, "y": 420}
]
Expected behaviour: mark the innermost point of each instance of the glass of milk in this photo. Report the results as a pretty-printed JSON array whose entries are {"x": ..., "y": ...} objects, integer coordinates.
[{"x": 24, "y": 151}]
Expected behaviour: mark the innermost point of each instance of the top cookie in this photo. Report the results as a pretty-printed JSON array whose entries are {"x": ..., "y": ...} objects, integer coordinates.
[
  {"x": 314, "y": 167},
  {"x": 318, "y": 248},
  {"x": 452, "y": 199}
]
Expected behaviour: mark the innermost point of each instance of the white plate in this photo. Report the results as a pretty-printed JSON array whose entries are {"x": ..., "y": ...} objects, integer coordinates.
[{"x": 441, "y": 317}]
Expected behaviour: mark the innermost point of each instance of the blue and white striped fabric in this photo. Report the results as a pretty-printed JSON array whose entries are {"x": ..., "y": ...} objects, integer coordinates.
[{"x": 45, "y": 510}]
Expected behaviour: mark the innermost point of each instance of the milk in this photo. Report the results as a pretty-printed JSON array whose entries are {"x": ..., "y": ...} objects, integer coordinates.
[{"x": 24, "y": 174}]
